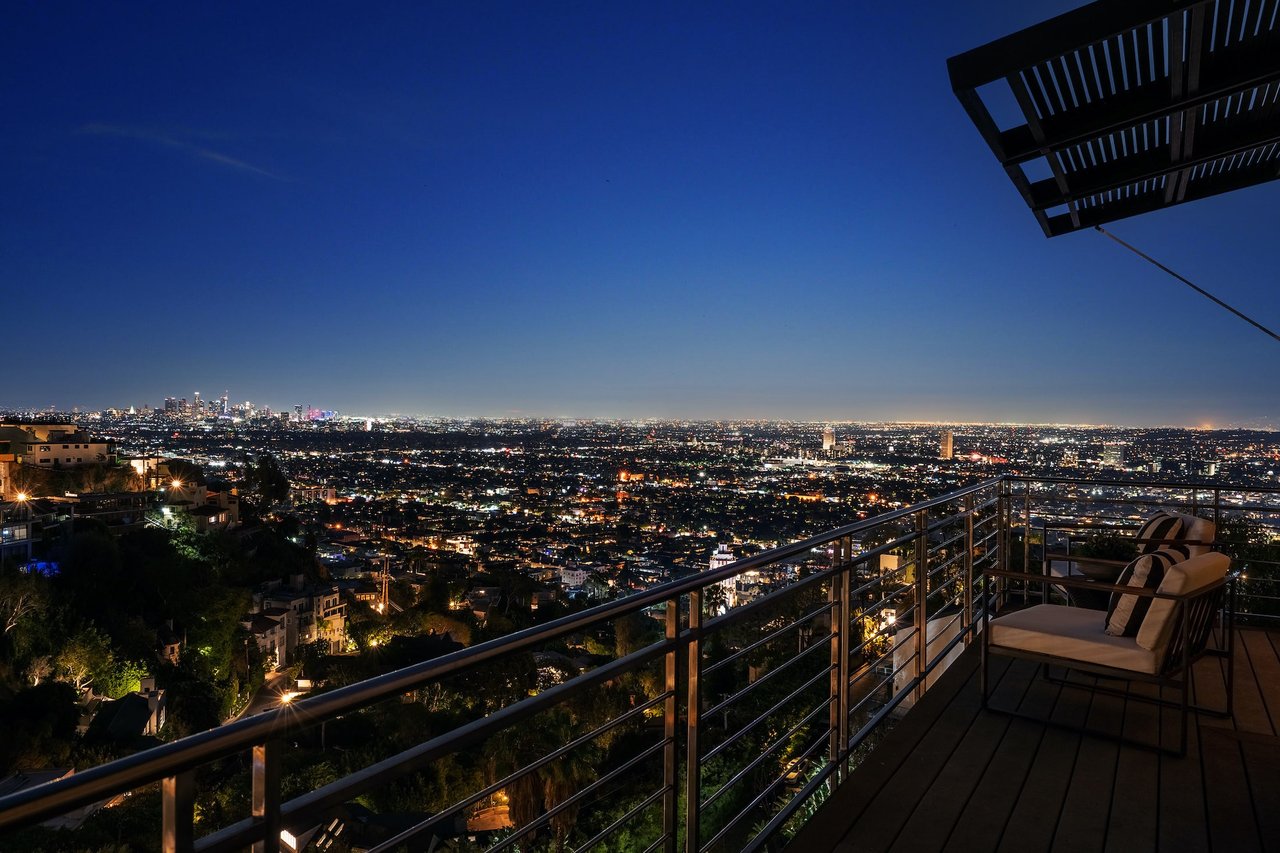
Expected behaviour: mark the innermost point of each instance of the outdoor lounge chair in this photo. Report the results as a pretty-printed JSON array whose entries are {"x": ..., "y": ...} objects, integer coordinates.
[{"x": 1180, "y": 617}]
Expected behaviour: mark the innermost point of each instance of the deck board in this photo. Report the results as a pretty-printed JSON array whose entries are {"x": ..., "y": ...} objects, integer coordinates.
[
  {"x": 1135, "y": 802},
  {"x": 1262, "y": 763},
  {"x": 1183, "y": 822},
  {"x": 1266, "y": 670},
  {"x": 1227, "y": 796},
  {"x": 942, "y": 806},
  {"x": 1034, "y": 820},
  {"x": 954, "y": 777},
  {"x": 1251, "y": 711},
  {"x": 1087, "y": 807}
]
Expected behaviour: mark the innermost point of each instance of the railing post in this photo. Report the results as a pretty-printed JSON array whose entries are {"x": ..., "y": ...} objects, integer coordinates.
[
  {"x": 670, "y": 714},
  {"x": 693, "y": 761},
  {"x": 967, "y": 598},
  {"x": 266, "y": 795},
  {"x": 838, "y": 596},
  {"x": 1005, "y": 521},
  {"x": 177, "y": 807},
  {"x": 1217, "y": 509},
  {"x": 1026, "y": 538},
  {"x": 922, "y": 602}
]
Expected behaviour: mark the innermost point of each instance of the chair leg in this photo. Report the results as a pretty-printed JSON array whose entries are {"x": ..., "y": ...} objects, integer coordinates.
[
  {"x": 982, "y": 671},
  {"x": 1231, "y": 652},
  {"x": 1182, "y": 734},
  {"x": 985, "y": 639}
]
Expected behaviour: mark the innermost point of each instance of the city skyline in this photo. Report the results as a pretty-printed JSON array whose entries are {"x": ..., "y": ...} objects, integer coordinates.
[
  {"x": 338, "y": 413},
  {"x": 341, "y": 415},
  {"x": 617, "y": 212}
]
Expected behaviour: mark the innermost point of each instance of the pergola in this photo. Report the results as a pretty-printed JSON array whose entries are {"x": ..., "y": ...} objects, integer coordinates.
[{"x": 1132, "y": 105}]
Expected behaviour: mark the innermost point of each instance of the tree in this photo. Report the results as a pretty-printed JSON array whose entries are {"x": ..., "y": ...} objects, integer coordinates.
[
  {"x": 39, "y": 727},
  {"x": 563, "y": 778},
  {"x": 632, "y": 632},
  {"x": 86, "y": 656},
  {"x": 267, "y": 481},
  {"x": 121, "y": 679},
  {"x": 40, "y": 668},
  {"x": 21, "y": 596},
  {"x": 716, "y": 600}
]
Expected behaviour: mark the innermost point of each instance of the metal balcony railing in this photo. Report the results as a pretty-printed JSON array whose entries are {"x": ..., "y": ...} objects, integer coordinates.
[
  {"x": 770, "y": 680},
  {"x": 1049, "y": 513}
]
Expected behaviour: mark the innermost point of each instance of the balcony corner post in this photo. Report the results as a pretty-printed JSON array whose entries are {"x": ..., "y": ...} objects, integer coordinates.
[
  {"x": 922, "y": 601},
  {"x": 266, "y": 795},
  {"x": 838, "y": 596},
  {"x": 967, "y": 603},
  {"x": 670, "y": 714},
  {"x": 177, "y": 804}
]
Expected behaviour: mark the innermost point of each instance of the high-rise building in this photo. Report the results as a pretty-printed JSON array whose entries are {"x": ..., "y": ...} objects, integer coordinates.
[
  {"x": 946, "y": 451},
  {"x": 226, "y": 404},
  {"x": 722, "y": 557},
  {"x": 1113, "y": 454},
  {"x": 170, "y": 406},
  {"x": 828, "y": 440}
]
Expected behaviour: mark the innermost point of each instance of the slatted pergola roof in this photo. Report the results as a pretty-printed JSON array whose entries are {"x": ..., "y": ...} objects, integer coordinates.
[{"x": 1133, "y": 105}]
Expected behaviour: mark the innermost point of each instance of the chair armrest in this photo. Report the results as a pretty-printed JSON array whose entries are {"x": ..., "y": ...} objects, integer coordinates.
[
  {"x": 1174, "y": 542},
  {"x": 1060, "y": 557}
]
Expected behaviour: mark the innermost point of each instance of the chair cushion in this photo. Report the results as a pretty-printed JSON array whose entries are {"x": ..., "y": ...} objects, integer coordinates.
[
  {"x": 1126, "y": 612},
  {"x": 1072, "y": 633},
  {"x": 1160, "y": 525},
  {"x": 1197, "y": 529},
  {"x": 1180, "y": 579}
]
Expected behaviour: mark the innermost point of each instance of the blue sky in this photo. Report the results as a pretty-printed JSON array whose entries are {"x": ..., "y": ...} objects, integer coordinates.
[{"x": 595, "y": 209}]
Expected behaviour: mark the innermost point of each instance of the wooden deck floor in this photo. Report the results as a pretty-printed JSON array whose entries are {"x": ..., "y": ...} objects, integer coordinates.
[{"x": 953, "y": 777}]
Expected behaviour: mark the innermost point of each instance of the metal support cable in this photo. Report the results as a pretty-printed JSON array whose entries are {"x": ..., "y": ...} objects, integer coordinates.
[{"x": 1187, "y": 282}]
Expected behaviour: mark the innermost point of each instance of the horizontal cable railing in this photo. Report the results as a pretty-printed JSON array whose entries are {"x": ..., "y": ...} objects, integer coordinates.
[
  {"x": 1053, "y": 513},
  {"x": 745, "y": 695}
]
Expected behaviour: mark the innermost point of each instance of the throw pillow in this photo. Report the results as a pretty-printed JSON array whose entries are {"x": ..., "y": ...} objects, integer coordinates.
[
  {"x": 1160, "y": 526},
  {"x": 1126, "y": 612}
]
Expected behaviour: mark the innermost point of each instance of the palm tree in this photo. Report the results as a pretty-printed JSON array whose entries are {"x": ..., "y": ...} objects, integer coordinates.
[
  {"x": 564, "y": 777},
  {"x": 508, "y": 751},
  {"x": 716, "y": 599},
  {"x": 532, "y": 794}
]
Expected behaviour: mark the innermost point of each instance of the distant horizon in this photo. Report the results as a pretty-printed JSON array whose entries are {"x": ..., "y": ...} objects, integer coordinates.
[{"x": 736, "y": 419}]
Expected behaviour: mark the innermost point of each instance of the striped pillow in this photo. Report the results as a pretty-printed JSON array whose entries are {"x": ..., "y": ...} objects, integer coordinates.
[
  {"x": 1161, "y": 526},
  {"x": 1126, "y": 612}
]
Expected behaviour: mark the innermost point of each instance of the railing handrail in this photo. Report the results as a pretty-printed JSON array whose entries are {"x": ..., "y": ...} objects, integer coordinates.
[
  {"x": 1155, "y": 484},
  {"x": 152, "y": 765}
]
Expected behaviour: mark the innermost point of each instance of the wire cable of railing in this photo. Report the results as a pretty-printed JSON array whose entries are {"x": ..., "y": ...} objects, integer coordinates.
[{"x": 1188, "y": 282}]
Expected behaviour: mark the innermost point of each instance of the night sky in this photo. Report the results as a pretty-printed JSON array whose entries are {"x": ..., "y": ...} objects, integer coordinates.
[{"x": 595, "y": 209}]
